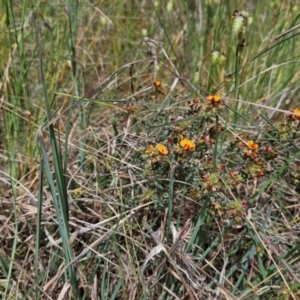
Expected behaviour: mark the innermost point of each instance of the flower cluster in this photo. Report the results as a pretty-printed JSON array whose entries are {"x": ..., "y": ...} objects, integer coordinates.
[
  {"x": 254, "y": 166},
  {"x": 186, "y": 145},
  {"x": 213, "y": 104}
]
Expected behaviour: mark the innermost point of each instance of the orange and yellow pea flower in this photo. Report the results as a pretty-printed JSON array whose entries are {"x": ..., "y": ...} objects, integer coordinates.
[
  {"x": 251, "y": 145},
  {"x": 159, "y": 148},
  {"x": 157, "y": 83},
  {"x": 187, "y": 145},
  {"x": 213, "y": 99},
  {"x": 162, "y": 149}
]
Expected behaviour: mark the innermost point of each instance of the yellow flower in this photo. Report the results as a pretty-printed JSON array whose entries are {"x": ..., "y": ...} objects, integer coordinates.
[
  {"x": 251, "y": 145},
  {"x": 187, "y": 145},
  {"x": 149, "y": 149},
  {"x": 213, "y": 99},
  {"x": 162, "y": 149}
]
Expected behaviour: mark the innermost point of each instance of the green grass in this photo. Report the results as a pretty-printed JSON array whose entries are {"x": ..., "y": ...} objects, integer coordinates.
[{"x": 112, "y": 188}]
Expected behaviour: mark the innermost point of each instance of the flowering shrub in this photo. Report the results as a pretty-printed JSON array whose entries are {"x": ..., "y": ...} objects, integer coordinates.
[
  {"x": 183, "y": 151},
  {"x": 199, "y": 156}
]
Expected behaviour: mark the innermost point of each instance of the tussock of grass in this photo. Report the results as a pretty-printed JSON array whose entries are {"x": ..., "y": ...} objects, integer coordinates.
[{"x": 149, "y": 150}]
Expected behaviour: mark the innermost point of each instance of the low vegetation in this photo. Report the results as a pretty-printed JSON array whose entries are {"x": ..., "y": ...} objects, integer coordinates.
[{"x": 150, "y": 150}]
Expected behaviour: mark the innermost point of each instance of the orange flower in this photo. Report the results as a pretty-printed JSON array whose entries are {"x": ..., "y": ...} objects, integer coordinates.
[
  {"x": 251, "y": 145},
  {"x": 157, "y": 83},
  {"x": 213, "y": 99},
  {"x": 149, "y": 149},
  {"x": 158, "y": 87},
  {"x": 162, "y": 149},
  {"x": 187, "y": 145}
]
